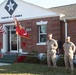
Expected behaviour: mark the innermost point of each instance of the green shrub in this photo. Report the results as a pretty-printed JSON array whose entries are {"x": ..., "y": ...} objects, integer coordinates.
[
  {"x": 31, "y": 59},
  {"x": 43, "y": 60},
  {"x": 60, "y": 61},
  {"x": 34, "y": 52}
]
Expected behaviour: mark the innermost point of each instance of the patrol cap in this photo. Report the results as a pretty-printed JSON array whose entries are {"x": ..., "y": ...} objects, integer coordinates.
[{"x": 68, "y": 37}]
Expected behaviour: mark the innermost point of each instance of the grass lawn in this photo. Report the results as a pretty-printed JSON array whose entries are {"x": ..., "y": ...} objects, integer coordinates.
[{"x": 30, "y": 69}]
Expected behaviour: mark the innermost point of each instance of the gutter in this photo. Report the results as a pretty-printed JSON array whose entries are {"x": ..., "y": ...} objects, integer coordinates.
[{"x": 66, "y": 29}]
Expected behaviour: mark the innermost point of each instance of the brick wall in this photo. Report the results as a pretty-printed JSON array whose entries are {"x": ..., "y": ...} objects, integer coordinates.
[
  {"x": 29, "y": 44},
  {"x": 53, "y": 27},
  {"x": 71, "y": 30}
]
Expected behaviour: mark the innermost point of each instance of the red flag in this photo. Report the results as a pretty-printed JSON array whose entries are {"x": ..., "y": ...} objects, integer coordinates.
[
  {"x": 2, "y": 29},
  {"x": 20, "y": 30},
  {"x": 17, "y": 26},
  {"x": 23, "y": 44}
]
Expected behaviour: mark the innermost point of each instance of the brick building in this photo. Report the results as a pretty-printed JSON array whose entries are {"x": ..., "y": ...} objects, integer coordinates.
[
  {"x": 38, "y": 22},
  {"x": 67, "y": 21}
]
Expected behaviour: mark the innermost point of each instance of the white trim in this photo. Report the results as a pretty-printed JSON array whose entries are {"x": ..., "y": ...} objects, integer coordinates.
[
  {"x": 42, "y": 23},
  {"x": 24, "y": 52},
  {"x": 67, "y": 18},
  {"x": 43, "y": 33},
  {"x": 41, "y": 43},
  {"x": 20, "y": 50},
  {"x": 10, "y": 24},
  {"x": 14, "y": 51},
  {"x": 29, "y": 18}
]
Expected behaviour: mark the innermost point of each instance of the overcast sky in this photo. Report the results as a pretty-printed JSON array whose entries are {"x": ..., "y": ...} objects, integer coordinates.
[{"x": 49, "y": 3}]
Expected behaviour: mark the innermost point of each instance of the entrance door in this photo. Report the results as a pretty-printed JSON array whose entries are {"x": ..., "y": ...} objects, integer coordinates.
[{"x": 12, "y": 39}]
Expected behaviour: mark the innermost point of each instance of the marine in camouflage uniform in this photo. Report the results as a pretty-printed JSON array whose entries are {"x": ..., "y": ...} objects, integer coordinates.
[
  {"x": 69, "y": 49},
  {"x": 51, "y": 51}
]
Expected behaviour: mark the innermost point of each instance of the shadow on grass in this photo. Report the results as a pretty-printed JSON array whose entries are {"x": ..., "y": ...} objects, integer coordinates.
[
  {"x": 30, "y": 69},
  {"x": 19, "y": 68}
]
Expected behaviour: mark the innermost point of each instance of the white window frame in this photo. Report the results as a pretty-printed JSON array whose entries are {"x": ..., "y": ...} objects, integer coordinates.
[{"x": 41, "y": 23}]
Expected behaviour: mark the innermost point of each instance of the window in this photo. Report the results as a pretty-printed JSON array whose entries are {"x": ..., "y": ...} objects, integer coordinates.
[{"x": 42, "y": 32}]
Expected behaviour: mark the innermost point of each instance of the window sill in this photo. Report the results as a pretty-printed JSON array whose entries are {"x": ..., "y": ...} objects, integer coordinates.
[{"x": 41, "y": 43}]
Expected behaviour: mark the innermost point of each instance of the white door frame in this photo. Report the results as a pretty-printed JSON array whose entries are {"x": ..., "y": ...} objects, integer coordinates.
[
  {"x": 10, "y": 42},
  {"x": 5, "y": 41}
]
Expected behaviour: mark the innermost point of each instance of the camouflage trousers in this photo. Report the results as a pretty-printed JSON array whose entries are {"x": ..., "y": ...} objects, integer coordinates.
[
  {"x": 68, "y": 59},
  {"x": 51, "y": 56}
]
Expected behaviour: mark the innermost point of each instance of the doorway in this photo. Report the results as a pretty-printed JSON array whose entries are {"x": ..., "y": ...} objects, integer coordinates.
[{"x": 13, "y": 43}]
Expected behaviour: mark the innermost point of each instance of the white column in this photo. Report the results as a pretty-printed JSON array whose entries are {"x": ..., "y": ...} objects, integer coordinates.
[
  {"x": 66, "y": 31},
  {"x": 20, "y": 50},
  {"x": 5, "y": 46}
]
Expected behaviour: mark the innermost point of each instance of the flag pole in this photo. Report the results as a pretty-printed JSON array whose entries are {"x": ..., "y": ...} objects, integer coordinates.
[{"x": 19, "y": 43}]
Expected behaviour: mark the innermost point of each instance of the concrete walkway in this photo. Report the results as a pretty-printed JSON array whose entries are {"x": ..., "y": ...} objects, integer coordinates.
[{"x": 2, "y": 64}]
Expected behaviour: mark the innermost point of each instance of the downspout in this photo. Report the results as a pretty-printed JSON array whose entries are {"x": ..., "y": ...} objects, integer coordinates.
[{"x": 66, "y": 31}]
